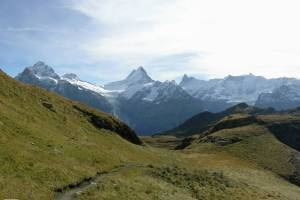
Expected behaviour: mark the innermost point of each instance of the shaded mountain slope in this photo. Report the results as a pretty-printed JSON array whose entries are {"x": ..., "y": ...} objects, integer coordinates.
[
  {"x": 148, "y": 117},
  {"x": 205, "y": 120}
]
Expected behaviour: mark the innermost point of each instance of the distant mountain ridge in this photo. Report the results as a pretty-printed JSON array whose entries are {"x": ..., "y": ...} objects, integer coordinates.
[
  {"x": 204, "y": 120},
  {"x": 234, "y": 89},
  {"x": 136, "y": 100},
  {"x": 150, "y": 106}
]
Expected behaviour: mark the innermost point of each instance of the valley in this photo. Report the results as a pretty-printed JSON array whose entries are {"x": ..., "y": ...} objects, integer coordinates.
[{"x": 149, "y": 100}]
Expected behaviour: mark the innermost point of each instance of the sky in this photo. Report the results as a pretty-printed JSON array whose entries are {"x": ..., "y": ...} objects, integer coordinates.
[{"x": 103, "y": 40}]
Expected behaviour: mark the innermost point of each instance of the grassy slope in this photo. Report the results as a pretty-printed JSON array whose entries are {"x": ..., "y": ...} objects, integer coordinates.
[
  {"x": 253, "y": 144},
  {"x": 245, "y": 149},
  {"x": 42, "y": 150},
  {"x": 172, "y": 183},
  {"x": 258, "y": 145}
]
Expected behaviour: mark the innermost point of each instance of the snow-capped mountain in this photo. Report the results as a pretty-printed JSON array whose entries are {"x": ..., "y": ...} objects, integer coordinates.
[
  {"x": 40, "y": 75},
  {"x": 282, "y": 98},
  {"x": 160, "y": 91},
  {"x": 137, "y": 99},
  {"x": 150, "y": 106},
  {"x": 68, "y": 85},
  {"x": 43, "y": 71},
  {"x": 157, "y": 106},
  {"x": 233, "y": 89}
]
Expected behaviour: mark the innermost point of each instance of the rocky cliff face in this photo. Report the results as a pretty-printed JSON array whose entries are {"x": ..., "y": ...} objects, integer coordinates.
[{"x": 282, "y": 98}]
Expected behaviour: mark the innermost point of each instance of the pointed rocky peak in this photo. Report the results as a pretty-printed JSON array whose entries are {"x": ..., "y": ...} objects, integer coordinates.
[
  {"x": 189, "y": 80},
  {"x": 71, "y": 76},
  {"x": 141, "y": 69},
  {"x": 185, "y": 79},
  {"x": 40, "y": 69},
  {"x": 136, "y": 79},
  {"x": 139, "y": 75}
]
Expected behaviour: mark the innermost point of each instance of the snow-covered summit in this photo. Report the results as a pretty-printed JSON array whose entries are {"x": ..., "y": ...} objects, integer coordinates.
[
  {"x": 137, "y": 77},
  {"x": 191, "y": 84},
  {"x": 188, "y": 80},
  {"x": 42, "y": 70},
  {"x": 158, "y": 92}
]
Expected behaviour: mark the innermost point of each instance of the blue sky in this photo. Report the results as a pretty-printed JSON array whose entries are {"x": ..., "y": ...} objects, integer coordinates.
[{"x": 103, "y": 40}]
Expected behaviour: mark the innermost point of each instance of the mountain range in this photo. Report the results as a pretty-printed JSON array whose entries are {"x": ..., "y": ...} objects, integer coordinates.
[
  {"x": 138, "y": 98},
  {"x": 56, "y": 148}
]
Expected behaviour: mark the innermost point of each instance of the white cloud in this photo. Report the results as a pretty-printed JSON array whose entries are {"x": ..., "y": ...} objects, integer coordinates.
[{"x": 229, "y": 37}]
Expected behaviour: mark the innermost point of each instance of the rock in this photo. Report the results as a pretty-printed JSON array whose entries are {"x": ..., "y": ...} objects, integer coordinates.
[{"x": 221, "y": 141}]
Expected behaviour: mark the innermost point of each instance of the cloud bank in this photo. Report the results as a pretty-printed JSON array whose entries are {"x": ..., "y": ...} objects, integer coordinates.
[{"x": 206, "y": 38}]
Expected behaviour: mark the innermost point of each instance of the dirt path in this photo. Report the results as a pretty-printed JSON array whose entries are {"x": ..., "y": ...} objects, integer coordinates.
[{"x": 71, "y": 192}]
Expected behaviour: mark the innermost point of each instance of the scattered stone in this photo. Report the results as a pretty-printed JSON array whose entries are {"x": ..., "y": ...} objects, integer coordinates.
[
  {"x": 49, "y": 106},
  {"x": 221, "y": 141}
]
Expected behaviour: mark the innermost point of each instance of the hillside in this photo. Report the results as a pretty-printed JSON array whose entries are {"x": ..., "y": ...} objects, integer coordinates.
[
  {"x": 48, "y": 142},
  {"x": 268, "y": 141},
  {"x": 247, "y": 160},
  {"x": 205, "y": 120}
]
